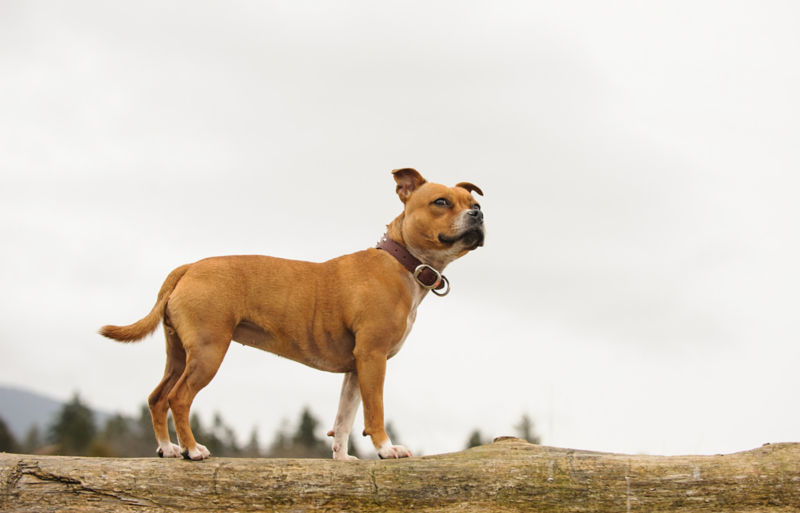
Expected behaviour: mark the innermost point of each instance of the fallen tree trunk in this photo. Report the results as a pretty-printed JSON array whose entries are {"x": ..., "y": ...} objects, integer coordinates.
[{"x": 508, "y": 475}]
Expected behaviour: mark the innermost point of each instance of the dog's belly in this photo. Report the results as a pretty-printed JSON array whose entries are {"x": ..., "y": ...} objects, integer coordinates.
[{"x": 331, "y": 357}]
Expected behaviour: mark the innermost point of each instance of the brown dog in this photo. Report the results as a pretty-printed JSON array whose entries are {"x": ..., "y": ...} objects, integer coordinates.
[{"x": 348, "y": 315}]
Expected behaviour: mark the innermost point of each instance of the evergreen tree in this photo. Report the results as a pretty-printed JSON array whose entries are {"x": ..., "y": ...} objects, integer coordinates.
[
  {"x": 213, "y": 441},
  {"x": 525, "y": 430},
  {"x": 116, "y": 434},
  {"x": 305, "y": 441},
  {"x": 281, "y": 445},
  {"x": 475, "y": 439},
  {"x": 222, "y": 438},
  {"x": 73, "y": 429},
  {"x": 305, "y": 435},
  {"x": 253, "y": 447},
  {"x": 33, "y": 440},
  {"x": 7, "y": 441}
]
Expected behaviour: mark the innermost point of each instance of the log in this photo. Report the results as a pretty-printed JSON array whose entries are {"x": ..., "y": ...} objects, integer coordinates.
[{"x": 506, "y": 476}]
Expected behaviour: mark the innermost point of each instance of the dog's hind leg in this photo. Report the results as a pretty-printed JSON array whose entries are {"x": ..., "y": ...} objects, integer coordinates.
[
  {"x": 158, "y": 402},
  {"x": 203, "y": 358}
]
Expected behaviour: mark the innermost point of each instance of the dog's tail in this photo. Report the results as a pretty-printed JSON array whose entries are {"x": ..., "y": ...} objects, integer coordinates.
[{"x": 148, "y": 324}]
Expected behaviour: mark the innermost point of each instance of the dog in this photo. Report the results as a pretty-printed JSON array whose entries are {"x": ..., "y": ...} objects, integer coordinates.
[{"x": 347, "y": 315}]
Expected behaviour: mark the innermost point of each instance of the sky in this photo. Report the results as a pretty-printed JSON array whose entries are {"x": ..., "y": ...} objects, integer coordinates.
[{"x": 637, "y": 291}]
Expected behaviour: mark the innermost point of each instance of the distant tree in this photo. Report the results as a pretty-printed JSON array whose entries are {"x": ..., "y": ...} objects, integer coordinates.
[
  {"x": 475, "y": 439},
  {"x": 222, "y": 438},
  {"x": 7, "y": 441},
  {"x": 253, "y": 447},
  {"x": 305, "y": 435},
  {"x": 128, "y": 437},
  {"x": 281, "y": 445},
  {"x": 213, "y": 441},
  {"x": 99, "y": 448},
  {"x": 303, "y": 442},
  {"x": 117, "y": 434},
  {"x": 125, "y": 436},
  {"x": 525, "y": 430},
  {"x": 33, "y": 440},
  {"x": 73, "y": 429}
]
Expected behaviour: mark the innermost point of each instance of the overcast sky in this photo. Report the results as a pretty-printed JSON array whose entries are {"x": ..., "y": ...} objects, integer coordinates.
[{"x": 638, "y": 291}]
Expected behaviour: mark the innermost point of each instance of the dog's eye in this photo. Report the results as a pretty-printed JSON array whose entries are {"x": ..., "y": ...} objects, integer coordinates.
[{"x": 442, "y": 202}]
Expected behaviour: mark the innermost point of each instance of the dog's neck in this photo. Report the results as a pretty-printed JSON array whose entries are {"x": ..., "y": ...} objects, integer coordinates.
[{"x": 395, "y": 232}]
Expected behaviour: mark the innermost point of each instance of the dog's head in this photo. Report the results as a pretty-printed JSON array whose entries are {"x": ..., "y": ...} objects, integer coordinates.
[{"x": 439, "y": 223}]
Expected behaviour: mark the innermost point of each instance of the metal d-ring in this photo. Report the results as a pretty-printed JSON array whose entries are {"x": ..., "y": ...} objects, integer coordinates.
[
  {"x": 439, "y": 279},
  {"x": 446, "y": 287}
]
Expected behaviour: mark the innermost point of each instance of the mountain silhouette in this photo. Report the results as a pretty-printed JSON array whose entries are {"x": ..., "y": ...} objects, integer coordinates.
[{"x": 22, "y": 409}]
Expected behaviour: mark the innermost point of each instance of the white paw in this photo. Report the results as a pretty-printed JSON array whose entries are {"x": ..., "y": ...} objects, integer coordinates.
[
  {"x": 389, "y": 451},
  {"x": 343, "y": 456},
  {"x": 169, "y": 450},
  {"x": 198, "y": 453},
  {"x": 340, "y": 451}
]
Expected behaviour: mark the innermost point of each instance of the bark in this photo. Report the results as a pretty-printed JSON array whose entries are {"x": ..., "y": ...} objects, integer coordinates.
[{"x": 508, "y": 475}]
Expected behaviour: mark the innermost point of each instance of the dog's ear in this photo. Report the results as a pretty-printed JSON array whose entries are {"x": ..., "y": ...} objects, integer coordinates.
[
  {"x": 408, "y": 180},
  {"x": 470, "y": 187}
]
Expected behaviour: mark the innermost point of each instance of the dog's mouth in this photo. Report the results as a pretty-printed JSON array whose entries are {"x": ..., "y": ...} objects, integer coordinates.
[{"x": 471, "y": 238}]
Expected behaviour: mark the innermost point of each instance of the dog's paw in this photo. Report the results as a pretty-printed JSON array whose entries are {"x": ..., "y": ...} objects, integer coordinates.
[
  {"x": 196, "y": 454},
  {"x": 389, "y": 452},
  {"x": 169, "y": 451},
  {"x": 343, "y": 456},
  {"x": 340, "y": 452}
]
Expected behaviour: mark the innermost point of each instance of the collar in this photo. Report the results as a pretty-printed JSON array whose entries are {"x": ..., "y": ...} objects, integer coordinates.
[{"x": 428, "y": 277}]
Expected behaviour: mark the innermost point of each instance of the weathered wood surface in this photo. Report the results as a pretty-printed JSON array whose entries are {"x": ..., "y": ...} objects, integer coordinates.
[{"x": 508, "y": 475}]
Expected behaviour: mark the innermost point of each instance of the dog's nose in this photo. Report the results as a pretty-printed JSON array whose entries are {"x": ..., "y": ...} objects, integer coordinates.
[{"x": 477, "y": 215}]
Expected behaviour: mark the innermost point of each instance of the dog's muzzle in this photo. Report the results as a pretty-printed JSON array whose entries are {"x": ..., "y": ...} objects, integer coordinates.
[{"x": 473, "y": 234}]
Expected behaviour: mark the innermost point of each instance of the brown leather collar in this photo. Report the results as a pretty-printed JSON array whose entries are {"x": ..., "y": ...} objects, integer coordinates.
[{"x": 424, "y": 274}]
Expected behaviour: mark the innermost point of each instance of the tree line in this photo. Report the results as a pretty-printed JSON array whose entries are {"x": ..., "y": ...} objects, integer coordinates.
[{"x": 74, "y": 432}]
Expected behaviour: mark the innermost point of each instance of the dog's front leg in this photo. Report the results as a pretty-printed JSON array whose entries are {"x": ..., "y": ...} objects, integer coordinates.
[
  {"x": 371, "y": 368},
  {"x": 348, "y": 406}
]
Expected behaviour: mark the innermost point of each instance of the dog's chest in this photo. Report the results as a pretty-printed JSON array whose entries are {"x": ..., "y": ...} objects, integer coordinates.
[{"x": 412, "y": 316}]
